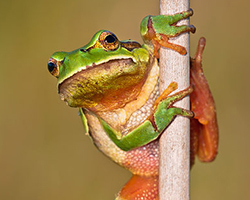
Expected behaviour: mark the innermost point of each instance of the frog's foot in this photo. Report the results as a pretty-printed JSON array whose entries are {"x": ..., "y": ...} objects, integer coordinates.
[
  {"x": 165, "y": 112},
  {"x": 170, "y": 100},
  {"x": 162, "y": 40},
  {"x": 204, "y": 127},
  {"x": 140, "y": 187},
  {"x": 158, "y": 29},
  {"x": 171, "y": 87}
]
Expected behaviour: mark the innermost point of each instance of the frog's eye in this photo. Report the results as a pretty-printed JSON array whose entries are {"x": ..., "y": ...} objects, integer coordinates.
[
  {"x": 53, "y": 67},
  {"x": 109, "y": 41}
]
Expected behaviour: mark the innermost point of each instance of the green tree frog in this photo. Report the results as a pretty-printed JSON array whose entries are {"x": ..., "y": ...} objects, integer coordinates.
[{"x": 116, "y": 88}]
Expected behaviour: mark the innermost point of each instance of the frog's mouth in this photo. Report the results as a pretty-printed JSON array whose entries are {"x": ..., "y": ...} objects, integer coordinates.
[{"x": 105, "y": 86}]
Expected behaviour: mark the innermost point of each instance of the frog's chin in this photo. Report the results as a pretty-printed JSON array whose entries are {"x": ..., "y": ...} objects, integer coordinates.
[{"x": 104, "y": 87}]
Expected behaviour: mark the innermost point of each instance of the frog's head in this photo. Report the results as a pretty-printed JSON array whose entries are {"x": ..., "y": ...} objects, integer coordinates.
[{"x": 104, "y": 74}]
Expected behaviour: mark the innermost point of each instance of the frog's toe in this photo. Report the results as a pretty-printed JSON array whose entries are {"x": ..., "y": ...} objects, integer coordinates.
[
  {"x": 190, "y": 12},
  {"x": 192, "y": 28}
]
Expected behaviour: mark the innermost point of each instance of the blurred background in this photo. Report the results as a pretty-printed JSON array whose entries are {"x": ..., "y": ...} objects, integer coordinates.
[{"x": 43, "y": 151}]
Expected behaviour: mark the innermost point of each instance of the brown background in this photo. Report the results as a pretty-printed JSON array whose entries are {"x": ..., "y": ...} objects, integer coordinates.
[{"x": 43, "y": 153}]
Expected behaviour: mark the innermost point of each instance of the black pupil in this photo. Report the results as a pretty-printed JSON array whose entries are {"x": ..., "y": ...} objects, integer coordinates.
[
  {"x": 110, "y": 39},
  {"x": 51, "y": 66}
]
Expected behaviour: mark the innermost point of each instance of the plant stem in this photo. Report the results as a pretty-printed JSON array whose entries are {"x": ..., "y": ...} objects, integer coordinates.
[{"x": 175, "y": 141}]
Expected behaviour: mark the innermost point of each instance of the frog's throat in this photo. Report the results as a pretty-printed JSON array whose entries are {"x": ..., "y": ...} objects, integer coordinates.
[
  {"x": 106, "y": 86},
  {"x": 135, "y": 112}
]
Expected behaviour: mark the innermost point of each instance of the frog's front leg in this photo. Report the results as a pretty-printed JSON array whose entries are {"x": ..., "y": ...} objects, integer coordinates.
[
  {"x": 162, "y": 115},
  {"x": 157, "y": 30}
]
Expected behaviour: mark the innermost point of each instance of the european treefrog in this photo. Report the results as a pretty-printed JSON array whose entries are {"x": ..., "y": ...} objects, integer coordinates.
[{"x": 115, "y": 85}]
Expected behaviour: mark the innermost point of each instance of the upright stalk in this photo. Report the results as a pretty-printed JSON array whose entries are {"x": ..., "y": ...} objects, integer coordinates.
[{"x": 175, "y": 141}]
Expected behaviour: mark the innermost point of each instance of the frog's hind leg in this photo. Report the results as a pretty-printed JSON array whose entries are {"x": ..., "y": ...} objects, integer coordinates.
[
  {"x": 140, "y": 187},
  {"x": 204, "y": 127}
]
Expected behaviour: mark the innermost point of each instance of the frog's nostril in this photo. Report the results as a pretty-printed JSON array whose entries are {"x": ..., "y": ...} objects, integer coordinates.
[{"x": 83, "y": 50}]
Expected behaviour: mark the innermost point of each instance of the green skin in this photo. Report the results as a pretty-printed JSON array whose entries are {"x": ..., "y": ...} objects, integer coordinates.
[
  {"x": 65, "y": 65},
  {"x": 146, "y": 132}
]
